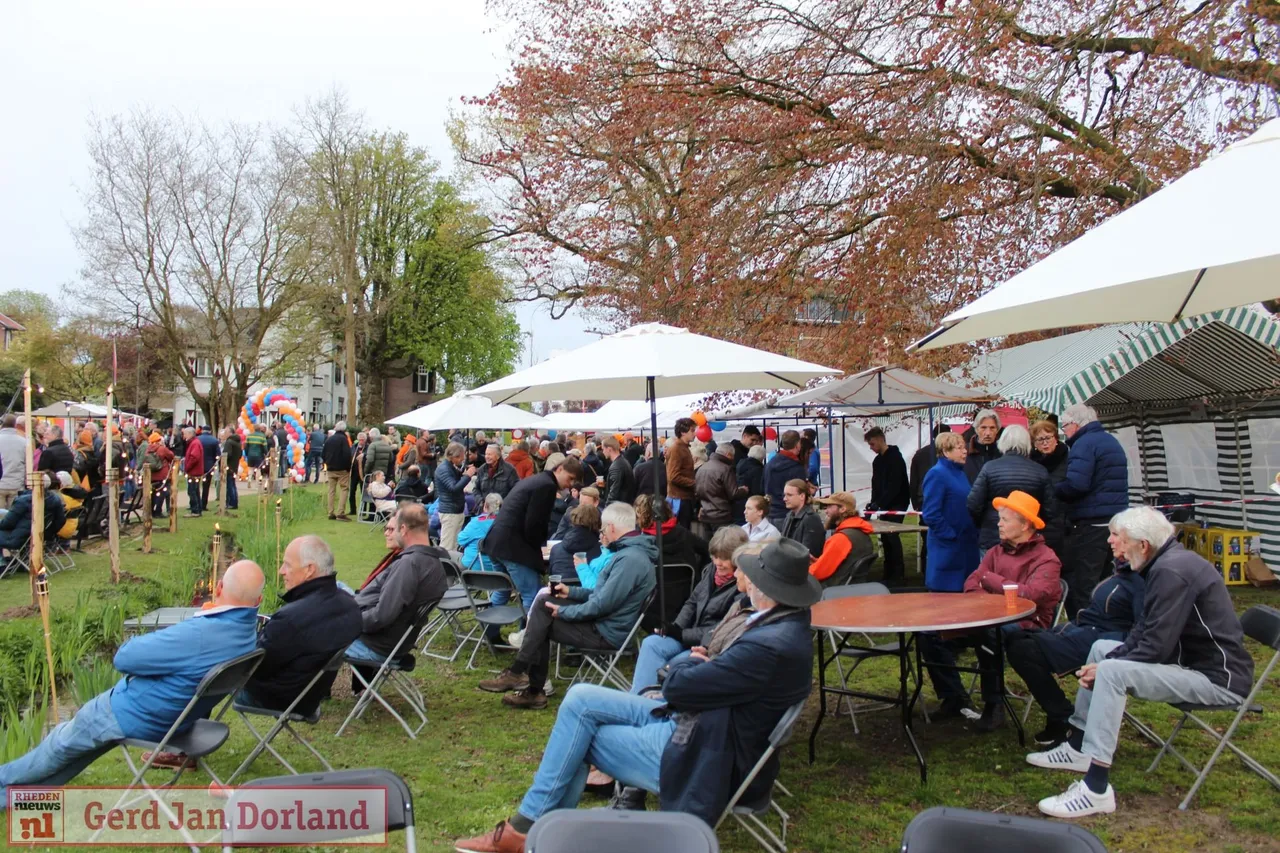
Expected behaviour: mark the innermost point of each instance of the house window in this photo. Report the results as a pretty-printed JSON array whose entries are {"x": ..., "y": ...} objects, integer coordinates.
[
  {"x": 424, "y": 381},
  {"x": 315, "y": 409},
  {"x": 339, "y": 378},
  {"x": 342, "y": 408},
  {"x": 203, "y": 368}
]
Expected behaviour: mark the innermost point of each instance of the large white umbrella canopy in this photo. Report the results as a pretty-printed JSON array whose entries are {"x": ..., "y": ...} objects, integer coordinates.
[
  {"x": 1207, "y": 241},
  {"x": 467, "y": 411},
  {"x": 650, "y": 359}
]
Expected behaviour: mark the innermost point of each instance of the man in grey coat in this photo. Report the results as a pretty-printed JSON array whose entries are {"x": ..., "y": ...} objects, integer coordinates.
[{"x": 13, "y": 460}]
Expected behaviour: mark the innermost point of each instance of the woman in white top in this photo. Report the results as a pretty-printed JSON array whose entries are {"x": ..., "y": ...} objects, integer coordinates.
[
  {"x": 380, "y": 493},
  {"x": 758, "y": 528}
]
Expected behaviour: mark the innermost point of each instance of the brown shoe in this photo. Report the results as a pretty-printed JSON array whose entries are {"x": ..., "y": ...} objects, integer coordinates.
[
  {"x": 526, "y": 699},
  {"x": 344, "y": 518},
  {"x": 503, "y": 839},
  {"x": 506, "y": 680},
  {"x": 170, "y": 760}
]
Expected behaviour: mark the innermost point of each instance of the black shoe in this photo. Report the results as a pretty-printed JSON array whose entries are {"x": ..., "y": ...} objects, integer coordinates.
[
  {"x": 332, "y": 517},
  {"x": 949, "y": 709},
  {"x": 629, "y": 799},
  {"x": 1054, "y": 733},
  {"x": 992, "y": 717}
]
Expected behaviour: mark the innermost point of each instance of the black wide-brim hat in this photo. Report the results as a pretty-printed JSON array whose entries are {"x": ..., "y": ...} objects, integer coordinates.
[{"x": 781, "y": 571}]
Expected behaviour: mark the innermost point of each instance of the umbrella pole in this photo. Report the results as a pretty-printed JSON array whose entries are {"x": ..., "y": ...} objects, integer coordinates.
[
  {"x": 657, "y": 496},
  {"x": 831, "y": 453}
]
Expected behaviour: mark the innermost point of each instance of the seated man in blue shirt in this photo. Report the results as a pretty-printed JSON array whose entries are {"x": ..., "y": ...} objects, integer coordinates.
[{"x": 162, "y": 671}]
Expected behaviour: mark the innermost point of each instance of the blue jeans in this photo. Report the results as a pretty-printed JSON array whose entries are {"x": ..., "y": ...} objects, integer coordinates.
[
  {"x": 527, "y": 580},
  {"x": 193, "y": 495},
  {"x": 615, "y": 731},
  {"x": 313, "y": 461},
  {"x": 233, "y": 493},
  {"x": 360, "y": 651},
  {"x": 655, "y": 651},
  {"x": 67, "y": 751}
]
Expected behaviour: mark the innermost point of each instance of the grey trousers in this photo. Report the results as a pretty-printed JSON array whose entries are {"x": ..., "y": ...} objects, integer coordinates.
[{"x": 1100, "y": 711}]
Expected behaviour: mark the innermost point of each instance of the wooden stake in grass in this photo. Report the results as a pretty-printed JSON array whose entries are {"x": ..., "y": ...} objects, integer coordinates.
[
  {"x": 279, "y": 514},
  {"x": 222, "y": 487},
  {"x": 173, "y": 496},
  {"x": 41, "y": 579},
  {"x": 113, "y": 492},
  {"x": 31, "y": 480},
  {"x": 217, "y": 557},
  {"x": 146, "y": 508}
]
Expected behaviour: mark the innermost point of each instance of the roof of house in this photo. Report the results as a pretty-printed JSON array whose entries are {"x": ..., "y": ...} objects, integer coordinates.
[{"x": 11, "y": 324}]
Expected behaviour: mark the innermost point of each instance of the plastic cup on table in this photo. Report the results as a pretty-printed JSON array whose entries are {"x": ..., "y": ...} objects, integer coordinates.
[{"x": 1011, "y": 597}]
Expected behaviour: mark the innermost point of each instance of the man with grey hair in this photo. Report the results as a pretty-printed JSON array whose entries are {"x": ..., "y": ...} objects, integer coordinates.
[
  {"x": 716, "y": 487},
  {"x": 1188, "y": 647},
  {"x": 56, "y": 456},
  {"x": 317, "y": 619},
  {"x": 337, "y": 456},
  {"x": 13, "y": 460},
  {"x": 982, "y": 443},
  {"x": 1095, "y": 488}
]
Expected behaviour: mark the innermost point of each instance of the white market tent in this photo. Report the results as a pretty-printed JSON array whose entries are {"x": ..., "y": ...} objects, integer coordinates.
[
  {"x": 1206, "y": 242},
  {"x": 466, "y": 411},
  {"x": 71, "y": 409}
]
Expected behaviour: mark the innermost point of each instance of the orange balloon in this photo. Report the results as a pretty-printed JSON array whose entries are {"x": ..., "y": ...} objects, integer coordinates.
[{"x": 699, "y": 418}]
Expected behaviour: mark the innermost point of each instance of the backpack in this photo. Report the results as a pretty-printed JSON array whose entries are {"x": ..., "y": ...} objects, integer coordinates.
[{"x": 151, "y": 457}]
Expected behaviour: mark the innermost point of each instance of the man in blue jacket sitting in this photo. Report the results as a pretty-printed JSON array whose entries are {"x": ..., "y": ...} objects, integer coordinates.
[
  {"x": 161, "y": 672},
  {"x": 696, "y": 745}
]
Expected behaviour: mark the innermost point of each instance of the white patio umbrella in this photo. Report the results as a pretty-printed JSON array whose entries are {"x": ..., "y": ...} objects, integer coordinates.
[
  {"x": 1207, "y": 241},
  {"x": 467, "y": 411},
  {"x": 647, "y": 360}
]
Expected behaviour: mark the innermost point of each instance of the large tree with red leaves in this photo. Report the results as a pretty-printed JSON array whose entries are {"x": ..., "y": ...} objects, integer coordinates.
[{"x": 761, "y": 169}]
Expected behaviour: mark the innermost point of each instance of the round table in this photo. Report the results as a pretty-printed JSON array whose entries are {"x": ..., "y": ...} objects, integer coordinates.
[{"x": 905, "y": 615}]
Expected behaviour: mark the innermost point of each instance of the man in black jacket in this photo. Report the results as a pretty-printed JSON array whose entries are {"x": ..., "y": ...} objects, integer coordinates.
[
  {"x": 317, "y": 620},
  {"x": 694, "y": 747},
  {"x": 391, "y": 601},
  {"x": 620, "y": 481},
  {"x": 741, "y": 446},
  {"x": 56, "y": 456},
  {"x": 495, "y": 475},
  {"x": 515, "y": 540},
  {"x": 336, "y": 456},
  {"x": 647, "y": 471},
  {"x": 1188, "y": 647},
  {"x": 890, "y": 489}
]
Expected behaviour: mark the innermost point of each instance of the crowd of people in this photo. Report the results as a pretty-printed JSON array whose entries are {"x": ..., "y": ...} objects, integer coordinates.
[{"x": 733, "y": 650}]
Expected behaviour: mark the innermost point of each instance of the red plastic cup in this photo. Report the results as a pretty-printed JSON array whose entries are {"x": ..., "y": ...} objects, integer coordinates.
[{"x": 1011, "y": 597}]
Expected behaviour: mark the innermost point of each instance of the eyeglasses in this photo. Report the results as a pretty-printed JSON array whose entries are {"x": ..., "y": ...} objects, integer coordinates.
[{"x": 1046, "y": 439}]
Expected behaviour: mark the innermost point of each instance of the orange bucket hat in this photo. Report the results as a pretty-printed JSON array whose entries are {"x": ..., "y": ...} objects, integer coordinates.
[{"x": 1024, "y": 505}]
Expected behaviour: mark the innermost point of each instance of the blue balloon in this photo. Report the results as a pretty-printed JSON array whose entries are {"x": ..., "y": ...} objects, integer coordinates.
[
  {"x": 551, "y": 433},
  {"x": 717, "y": 426}
]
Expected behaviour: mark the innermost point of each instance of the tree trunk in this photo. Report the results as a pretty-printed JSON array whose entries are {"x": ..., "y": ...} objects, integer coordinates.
[
  {"x": 372, "y": 399},
  {"x": 349, "y": 358}
]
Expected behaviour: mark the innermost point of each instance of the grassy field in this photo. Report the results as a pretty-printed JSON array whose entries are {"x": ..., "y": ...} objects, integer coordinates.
[{"x": 470, "y": 766}]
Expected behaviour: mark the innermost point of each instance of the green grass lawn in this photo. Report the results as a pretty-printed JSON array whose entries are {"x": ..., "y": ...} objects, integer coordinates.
[{"x": 472, "y": 763}]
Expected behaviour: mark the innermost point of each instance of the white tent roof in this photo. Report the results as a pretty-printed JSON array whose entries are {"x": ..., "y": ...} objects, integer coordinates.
[
  {"x": 71, "y": 409},
  {"x": 464, "y": 411},
  {"x": 619, "y": 367},
  {"x": 1205, "y": 242}
]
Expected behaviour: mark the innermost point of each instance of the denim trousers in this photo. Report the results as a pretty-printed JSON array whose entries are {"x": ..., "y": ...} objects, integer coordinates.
[
  {"x": 233, "y": 493},
  {"x": 193, "y": 495},
  {"x": 1100, "y": 710},
  {"x": 655, "y": 652},
  {"x": 615, "y": 731},
  {"x": 527, "y": 580},
  {"x": 67, "y": 751}
]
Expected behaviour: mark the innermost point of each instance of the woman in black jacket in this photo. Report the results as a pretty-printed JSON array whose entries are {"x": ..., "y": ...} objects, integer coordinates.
[
  {"x": 1012, "y": 471},
  {"x": 751, "y": 477},
  {"x": 583, "y": 535},
  {"x": 1051, "y": 453}
]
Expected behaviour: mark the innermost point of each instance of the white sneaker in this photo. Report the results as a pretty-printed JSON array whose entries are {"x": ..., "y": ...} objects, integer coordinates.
[
  {"x": 548, "y": 689},
  {"x": 1079, "y": 801},
  {"x": 1061, "y": 757},
  {"x": 516, "y": 638}
]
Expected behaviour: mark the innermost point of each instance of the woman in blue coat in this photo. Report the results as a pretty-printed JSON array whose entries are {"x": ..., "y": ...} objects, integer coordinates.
[{"x": 953, "y": 539}]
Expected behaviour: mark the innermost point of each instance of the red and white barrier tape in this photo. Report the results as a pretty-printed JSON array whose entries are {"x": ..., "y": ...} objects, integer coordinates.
[{"x": 1229, "y": 502}]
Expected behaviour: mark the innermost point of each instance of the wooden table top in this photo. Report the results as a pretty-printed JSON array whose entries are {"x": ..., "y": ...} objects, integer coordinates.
[
  {"x": 910, "y": 612},
  {"x": 879, "y": 525}
]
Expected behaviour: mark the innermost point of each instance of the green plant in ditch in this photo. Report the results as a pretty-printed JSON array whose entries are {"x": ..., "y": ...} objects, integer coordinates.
[
  {"x": 21, "y": 731},
  {"x": 91, "y": 678}
]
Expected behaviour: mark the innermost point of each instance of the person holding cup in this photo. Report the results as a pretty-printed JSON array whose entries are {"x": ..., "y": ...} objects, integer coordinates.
[{"x": 1021, "y": 561}]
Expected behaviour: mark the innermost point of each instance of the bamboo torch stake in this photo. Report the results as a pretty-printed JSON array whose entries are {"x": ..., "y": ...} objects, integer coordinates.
[
  {"x": 31, "y": 479},
  {"x": 173, "y": 496},
  {"x": 42, "y": 597},
  {"x": 279, "y": 513},
  {"x": 146, "y": 508},
  {"x": 217, "y": 557},
  {"x": 113, "y": 492},
  {"x": 222, "y": 487}
]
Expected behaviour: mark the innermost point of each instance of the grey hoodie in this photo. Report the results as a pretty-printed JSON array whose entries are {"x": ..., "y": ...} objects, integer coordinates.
[{"x": 13, "y": 460}]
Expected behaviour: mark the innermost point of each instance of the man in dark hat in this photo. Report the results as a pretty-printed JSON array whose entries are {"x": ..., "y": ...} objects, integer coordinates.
[{"x": 735, "y": 701}]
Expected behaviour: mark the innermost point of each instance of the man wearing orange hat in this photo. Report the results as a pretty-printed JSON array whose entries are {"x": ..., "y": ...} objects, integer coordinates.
[{"x": 1022, "y": 558}]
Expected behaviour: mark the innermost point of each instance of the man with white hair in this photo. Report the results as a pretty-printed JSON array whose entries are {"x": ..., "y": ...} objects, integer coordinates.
[
  {"x": 1188, "y": 647},
  {"x": 13, "y": 460},
  {"x": 161, "y": 672},
  {"x": 336, "y": 456},
  {"x": 1012, "y": 472},
  {"x": 1095, "y": 488},
  {"x": 317, "y": 619},
  {"x": 982, "y": 443}
]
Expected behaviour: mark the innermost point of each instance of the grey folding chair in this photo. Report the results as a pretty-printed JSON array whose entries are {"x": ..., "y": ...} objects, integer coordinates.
[
  {"x": 19, "y": 558},
  {"x": 749, "y": 815},
  {"x": 283, "y": 721},
  {"x": 487, "y": 614},
  {"x": 203, "y": 738},
  {"x": 456, "y": 603},
  {"x": 1059, "y": 617},
  {"x": 576, "y": 830},
  {"x": 392, "y": 672},
  {"x": 1261, "y": 623},
  {"x": 604, "y": 660},
  {"x": 399, "y": 812},
  {"x": 943, "y": 829}
]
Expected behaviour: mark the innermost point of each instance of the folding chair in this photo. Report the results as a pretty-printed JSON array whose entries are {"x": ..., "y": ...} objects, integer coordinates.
[
  {"x": 1058, "y": 617},
  {"x": 199, "y": 741},
  {"x": 943, "y": 829},
  {"x": 1261, "y": 623},
  {"x": 399, "y": 802},
  {"x": 574, "y": 830},
  {"x": 486, "y": 613},
  {"x": 456, "y": 601},
  {"x": 856, "y": 574},
  {"x": 19, "y": 558},
  {"x": 132, "y": 508},
  {"x": 58, "y": 556},
  {"x": 282, "y": 722},
  {"x": 604, "y": 660},
  {"x": 749, "y": 815},
  {"x": 392, "y": 671}
]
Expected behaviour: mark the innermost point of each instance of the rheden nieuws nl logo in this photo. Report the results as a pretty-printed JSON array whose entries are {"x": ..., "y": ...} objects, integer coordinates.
[{"x": 36, "y": 816}]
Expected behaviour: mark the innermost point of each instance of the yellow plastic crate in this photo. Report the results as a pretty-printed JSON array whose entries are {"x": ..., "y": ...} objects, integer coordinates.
[{"x": 1232, "y": 570}]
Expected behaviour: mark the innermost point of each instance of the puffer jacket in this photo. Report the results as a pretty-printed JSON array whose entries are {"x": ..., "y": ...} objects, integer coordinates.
[
  {"x": 576, "y": 539},
  {"x": 716, "y": 484},
  {"x": 1096, "y": 485},
  {"x": 998, "y": 479},
  {"x": 450, "y": 482},
  {"x": 1116, "y": 606},
  {"x": 1055, "y": 464},
  {"x": 704, "y": 609},
  {"x": 379, "y": 456},
  {"x": 615, "y": 603}
]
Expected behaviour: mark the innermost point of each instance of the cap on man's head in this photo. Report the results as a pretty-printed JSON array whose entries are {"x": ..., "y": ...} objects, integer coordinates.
[{"x": 844, "y": 500}]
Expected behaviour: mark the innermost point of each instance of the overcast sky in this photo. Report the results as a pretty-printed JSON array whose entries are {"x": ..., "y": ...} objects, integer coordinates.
[{"x": 404, "y": 63}]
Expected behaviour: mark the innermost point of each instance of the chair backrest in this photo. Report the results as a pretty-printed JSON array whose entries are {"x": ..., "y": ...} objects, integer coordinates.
[
  {"x": 782, "y": 731},
  {"x": 488, "y": 582},
  {"x": 948, "y": 829},
  {"x": 854, "y": 590},
  {"x": 574, "y": 830},
  {"x": 229, "y": 676},
  {"x": 399, "y": 798},
  {"x": 1061, "y": 613},
  {"x": 452, "y": 571},
  {"x": 1262, "y": 623}
]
